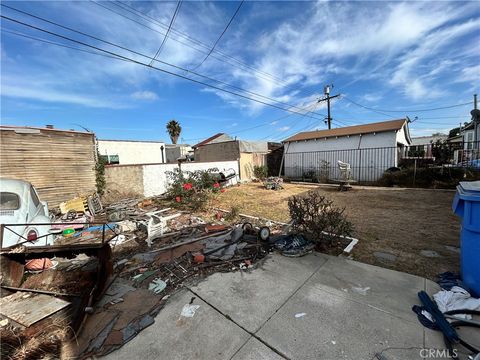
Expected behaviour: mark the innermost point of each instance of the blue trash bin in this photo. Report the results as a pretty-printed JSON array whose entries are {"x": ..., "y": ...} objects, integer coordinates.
[{"x": 467, "y": 206}]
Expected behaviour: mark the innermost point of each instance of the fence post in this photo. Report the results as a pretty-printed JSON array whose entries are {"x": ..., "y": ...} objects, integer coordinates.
[
  {"x": 414, "y": 171},
  {"x": 303, "y": 171},
  {"x": 359, "y": 164}
]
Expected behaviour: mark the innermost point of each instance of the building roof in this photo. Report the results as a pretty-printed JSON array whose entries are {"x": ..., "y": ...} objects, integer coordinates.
[
  {"x": 425, "y": 140},
  {"x": 134, "y": 141},
  {"x": 350, "y": 130},
  {"x": 173, "y": 146},
  {"x": 208, "y": 140},
  {"x": 34, "y": 129}
]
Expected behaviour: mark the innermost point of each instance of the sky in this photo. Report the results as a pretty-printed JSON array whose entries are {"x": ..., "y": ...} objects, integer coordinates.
[{"x": 387, "y": 60}]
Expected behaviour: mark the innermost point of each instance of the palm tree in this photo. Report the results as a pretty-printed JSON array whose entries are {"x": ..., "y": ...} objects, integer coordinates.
[{"x": 174, "y": 129}]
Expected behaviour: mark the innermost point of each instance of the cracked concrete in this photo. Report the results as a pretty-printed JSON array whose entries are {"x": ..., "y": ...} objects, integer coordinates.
[{"x": 251, "y": 315}]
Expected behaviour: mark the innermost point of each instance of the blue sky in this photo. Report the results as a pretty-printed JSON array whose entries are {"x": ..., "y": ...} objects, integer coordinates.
[{"x": 383, "y": 55}]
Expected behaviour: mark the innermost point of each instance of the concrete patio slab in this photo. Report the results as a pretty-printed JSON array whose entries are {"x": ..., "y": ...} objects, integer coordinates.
[
  {"x": 299, "y": 269},
  {"x": 206, "y": 335},
  {"x": 251, "y": 315},
  {"x": 390, "y": 291},
  {"x": 251, "y": 298},
  {"x": 335, "y": 327},
  {"x": 255, "y": 350}
]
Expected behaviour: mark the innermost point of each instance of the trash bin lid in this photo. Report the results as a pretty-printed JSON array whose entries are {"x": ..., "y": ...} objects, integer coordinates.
[{"x": 469, "y": 190}]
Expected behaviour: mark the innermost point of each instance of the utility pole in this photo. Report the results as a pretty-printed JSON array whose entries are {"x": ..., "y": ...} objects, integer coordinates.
[{"x": 326, "y": 91}]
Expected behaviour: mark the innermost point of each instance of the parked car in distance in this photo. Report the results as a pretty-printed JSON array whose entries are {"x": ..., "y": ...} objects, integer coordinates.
[{"x": 20, "y": 205}]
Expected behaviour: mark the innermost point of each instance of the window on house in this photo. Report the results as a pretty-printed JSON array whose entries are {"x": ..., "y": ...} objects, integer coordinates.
[
  {"x": 469, "y": 140},
  {"x": 110, "y": 159},
  {"x": 114, "y": 159}
]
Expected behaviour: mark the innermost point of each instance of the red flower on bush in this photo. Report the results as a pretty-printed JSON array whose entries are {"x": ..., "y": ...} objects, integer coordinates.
[
  {"x": 187, "y": 186},
  {"x": 216, "y": 185},
  {"x": 178, "y": 199}
]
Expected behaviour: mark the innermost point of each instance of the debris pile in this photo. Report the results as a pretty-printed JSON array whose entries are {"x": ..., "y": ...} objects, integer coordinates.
[
  {"x": 273, "y": 183},
  {"x": 105, "y": 279}
]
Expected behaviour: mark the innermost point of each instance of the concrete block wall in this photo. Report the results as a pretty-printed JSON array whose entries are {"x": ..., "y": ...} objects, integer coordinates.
[
  {"x": 151, "y": 179},
  {"x": 124, "y": 179}
]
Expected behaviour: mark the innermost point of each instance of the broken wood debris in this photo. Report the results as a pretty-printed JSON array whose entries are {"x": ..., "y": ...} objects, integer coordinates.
[{"x": 157, "y": 250}]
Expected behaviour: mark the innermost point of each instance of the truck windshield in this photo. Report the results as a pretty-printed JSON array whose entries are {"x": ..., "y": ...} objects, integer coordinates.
[{"x": 9, "y": 201}]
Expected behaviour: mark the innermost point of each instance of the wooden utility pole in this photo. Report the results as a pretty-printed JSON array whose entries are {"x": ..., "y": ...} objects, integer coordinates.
[{"x": 326, "y": 91}]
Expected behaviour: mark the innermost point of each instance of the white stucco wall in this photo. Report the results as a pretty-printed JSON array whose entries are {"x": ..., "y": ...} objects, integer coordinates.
[
  {"x": 133, "y": 152},
  {"x": 155, "y": 180},
  {"x": 361, "y": 151}
]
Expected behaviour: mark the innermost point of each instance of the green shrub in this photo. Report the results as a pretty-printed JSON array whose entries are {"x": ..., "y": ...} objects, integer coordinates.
[
  {"x": 317, "y": 217},
  {"x": 100, "y": 174},
  {"x": 260, "y": 172},
  {"x": 429, "y": 177},
  {"x": 192, "y": 190}
]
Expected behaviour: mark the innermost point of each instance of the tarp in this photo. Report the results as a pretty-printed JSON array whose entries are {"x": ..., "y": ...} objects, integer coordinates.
[{"x": 253, "y": 146}]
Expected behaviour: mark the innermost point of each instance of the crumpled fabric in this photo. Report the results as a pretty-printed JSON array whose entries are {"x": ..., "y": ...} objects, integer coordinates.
[
  {"x": 448, "y": 279},
  {"x": 456, "y": 298}
]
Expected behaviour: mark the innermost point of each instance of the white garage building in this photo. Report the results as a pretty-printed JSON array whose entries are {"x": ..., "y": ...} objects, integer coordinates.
[
  {"x": 370, "y": 149},
  {"x": 129, "y": 152}
]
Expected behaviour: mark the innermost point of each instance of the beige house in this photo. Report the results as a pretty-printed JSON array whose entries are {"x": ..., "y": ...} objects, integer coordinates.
[{"x": 248, "y": 153}]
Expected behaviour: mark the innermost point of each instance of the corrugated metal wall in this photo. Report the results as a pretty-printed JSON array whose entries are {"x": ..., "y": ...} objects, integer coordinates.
[{"x": 60, "y": 164}]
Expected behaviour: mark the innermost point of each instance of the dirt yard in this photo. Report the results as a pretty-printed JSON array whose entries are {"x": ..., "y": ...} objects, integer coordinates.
[{"x": 407, "y": 230}]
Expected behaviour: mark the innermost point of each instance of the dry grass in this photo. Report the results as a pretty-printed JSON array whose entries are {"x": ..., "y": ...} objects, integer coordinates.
[{"x": 401, "y": 222}]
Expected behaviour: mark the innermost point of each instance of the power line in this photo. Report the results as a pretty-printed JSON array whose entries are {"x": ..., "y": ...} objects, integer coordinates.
[
  {"x": 444, "y": 117},
  {"x": 309, "y": 124},
  {"x": 58, "y": 44},
  {"x": 262, "y": 74},
  {"x": 420, "y": 121},
  {"x": 408, "y": 110},
  {"x": 152, "y": 20},
  {"x": 223, "y": 32},
  {"x": 313, "y": 107},
  {"x": 179, "y": 3},
  {"x": 150, "y": 58},
  {"x": 152, "y": 67},
  {"x": 260, "y": 125},
  {"x": 362, "y": 106}
]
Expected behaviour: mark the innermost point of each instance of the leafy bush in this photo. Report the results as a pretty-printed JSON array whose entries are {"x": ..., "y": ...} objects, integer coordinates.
[
  {"x": 309, "y": 174},
  {"x": 233, "y": 213},
  {"x": 260, "y": 172},
  {"x": 192, "y": 190},
  {"x": 429, "y": 177},
  {"x": 100, "y": 174},
  {"x": 317, "y": 218}
]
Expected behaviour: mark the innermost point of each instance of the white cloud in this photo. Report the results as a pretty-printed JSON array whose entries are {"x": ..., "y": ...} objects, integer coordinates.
[
  {"x": 390, "y": 42},
  {"x": 144, "y": 95},
  {"x": 47, "y": 95},
  {"x": 408, "y": 73},
  {"x": 284, "y": 128},
  {"x": 372, "y": 97},
  {"x": 310, "y": 49}
]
